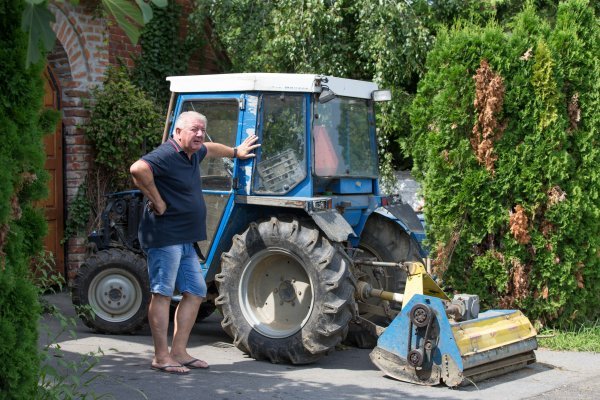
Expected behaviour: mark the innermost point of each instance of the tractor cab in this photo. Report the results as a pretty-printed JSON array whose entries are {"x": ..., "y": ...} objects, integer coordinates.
[{"x": 318, "y": 148}]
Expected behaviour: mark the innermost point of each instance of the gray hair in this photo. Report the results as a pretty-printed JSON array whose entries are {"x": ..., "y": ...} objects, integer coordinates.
[{"x": 187, "y": 116}]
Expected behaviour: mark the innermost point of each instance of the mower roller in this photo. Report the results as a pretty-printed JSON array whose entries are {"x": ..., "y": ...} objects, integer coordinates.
[{"x": 435, "y": 339}]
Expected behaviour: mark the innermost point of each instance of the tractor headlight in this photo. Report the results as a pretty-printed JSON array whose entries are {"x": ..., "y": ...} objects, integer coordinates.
[{"x": 381, "y": 95}]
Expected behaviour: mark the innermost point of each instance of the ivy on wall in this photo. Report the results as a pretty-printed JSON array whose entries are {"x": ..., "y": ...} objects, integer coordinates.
[{"x": 165, "y": 52}]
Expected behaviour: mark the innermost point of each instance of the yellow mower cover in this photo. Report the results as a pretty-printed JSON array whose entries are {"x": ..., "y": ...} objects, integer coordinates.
[{"x": 427, "y": 344}]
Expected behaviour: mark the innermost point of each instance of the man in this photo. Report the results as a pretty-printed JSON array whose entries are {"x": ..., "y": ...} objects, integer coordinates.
[{"x": 173, "y": 220}]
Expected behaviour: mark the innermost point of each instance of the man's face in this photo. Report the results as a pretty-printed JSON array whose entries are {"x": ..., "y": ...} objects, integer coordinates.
[{"x": 191, "y": 137}]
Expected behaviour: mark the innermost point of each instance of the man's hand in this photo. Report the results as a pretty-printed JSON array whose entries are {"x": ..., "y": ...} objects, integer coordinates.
[
  {"x": 245, "y": 149},
  {"x": 144, "y": 180},
  {"x": 158, "y": 208}
]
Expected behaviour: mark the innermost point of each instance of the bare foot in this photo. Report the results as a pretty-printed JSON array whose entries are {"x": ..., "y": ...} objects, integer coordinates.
[
  {"x": 171, "y": 369},
  {"x": 194, "y": 363},
  {"x": 189, "y": 361},
  {"x": 169, "y": 365}
]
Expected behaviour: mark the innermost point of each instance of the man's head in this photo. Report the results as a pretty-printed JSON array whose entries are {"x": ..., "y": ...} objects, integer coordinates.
[{"x": 190, "y": 131}]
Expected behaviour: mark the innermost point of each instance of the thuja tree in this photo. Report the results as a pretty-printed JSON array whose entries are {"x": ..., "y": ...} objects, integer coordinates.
[
  {"x": 22, "y": 226},
  {"x": 505, "y": 142}
]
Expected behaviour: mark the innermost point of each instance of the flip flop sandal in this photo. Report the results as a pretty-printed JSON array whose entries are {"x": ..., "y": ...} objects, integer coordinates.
[
  {"x": 165, "y": 369},
  {"x": 190, "y": 364}
]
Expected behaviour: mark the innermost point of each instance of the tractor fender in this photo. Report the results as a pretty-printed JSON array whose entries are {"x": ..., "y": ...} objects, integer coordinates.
[
  {"x": 333, "y": 225},
  {"x": 329, "y": 220},
  {"x": 247, "y": 209},
  {"x": 407, "y": 218}
]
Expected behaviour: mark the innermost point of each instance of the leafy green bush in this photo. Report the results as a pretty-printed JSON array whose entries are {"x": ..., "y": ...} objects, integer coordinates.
[
  {"x": 122, "y": 124},
  {"x": 60, "y": 378},
  {"x": 505, "y": 141}
]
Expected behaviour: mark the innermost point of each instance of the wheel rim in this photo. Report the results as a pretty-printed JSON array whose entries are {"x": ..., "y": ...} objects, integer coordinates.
[
  {"x": 275, "y": 293},
  {"x": 115, "y": 295}
]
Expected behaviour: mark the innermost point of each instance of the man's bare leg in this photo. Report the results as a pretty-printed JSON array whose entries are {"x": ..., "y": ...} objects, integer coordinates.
[
  {"x": 158, "y": 317},
  {"x": 185, "y": 318}
]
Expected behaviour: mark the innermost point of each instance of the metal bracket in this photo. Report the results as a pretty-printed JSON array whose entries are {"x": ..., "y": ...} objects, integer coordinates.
[{"x": 369, "y": 326}]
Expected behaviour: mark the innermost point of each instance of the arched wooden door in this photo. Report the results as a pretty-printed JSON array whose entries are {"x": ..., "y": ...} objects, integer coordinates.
[{"x": 54, "y": 165}]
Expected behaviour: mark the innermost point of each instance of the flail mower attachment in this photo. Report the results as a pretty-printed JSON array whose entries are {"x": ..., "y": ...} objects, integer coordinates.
[{"x": 434, "y": 339}]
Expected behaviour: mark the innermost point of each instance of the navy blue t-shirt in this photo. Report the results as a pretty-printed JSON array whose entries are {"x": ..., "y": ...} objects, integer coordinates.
[{"x": 178, "y": 181}]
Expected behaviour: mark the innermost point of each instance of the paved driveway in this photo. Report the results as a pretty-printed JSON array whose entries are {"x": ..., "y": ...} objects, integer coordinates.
[{"x": 123, "y": 372}]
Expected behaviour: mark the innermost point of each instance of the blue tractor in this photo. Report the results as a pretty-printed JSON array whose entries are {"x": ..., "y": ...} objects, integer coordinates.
[
  {"x": 283, "y": 227},
  {"x": 303, "y": 250}
]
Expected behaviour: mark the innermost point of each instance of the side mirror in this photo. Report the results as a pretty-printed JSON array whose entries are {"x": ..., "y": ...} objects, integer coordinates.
[
  {"x": 326, "y": 95},
  {"x": 381, "y": 95}
]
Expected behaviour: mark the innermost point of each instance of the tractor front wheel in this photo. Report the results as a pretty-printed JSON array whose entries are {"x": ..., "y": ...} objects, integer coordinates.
[{"x": 285, "y": 292}]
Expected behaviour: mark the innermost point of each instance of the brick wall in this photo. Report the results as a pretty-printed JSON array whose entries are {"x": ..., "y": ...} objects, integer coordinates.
[
  {"x": 78, "y": 61},
  {"x": 204, "y": 61},
  {"x": 121, "y": 51}
]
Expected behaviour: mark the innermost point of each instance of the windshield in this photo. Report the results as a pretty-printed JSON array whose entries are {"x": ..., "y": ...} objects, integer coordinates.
[
  {"x": 344, "y": 139},
  {"x": 280, "y": 160}
]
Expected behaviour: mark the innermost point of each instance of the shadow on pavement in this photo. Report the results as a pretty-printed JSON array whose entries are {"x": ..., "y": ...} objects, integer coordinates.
[{"x": 123, "y": 371}]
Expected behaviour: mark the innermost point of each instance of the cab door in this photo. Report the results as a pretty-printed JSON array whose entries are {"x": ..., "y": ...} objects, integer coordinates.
[{"x": 225, "y": 115}]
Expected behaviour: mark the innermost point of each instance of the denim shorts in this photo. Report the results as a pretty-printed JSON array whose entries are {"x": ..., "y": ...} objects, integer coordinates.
[{"x": 173, "y": 267}]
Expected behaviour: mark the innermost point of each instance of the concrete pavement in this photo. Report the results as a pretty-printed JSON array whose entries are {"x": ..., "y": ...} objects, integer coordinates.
[{"x": 123, "y": 372}]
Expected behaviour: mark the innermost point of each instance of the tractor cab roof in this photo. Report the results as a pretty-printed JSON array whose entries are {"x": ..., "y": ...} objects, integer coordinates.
[{"x": 271, "y": 82}]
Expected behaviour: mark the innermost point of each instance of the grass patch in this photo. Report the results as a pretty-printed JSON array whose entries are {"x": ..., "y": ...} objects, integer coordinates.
[{"x": 583, "y": 337}]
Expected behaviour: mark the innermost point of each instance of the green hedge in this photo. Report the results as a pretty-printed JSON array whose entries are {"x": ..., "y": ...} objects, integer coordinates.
[
  {"x": 22, "y": 181},
  {"x": 506, "y": 144}
]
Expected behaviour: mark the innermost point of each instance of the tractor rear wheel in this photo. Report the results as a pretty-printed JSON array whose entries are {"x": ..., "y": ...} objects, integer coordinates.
[
  {"x": 114, "y": 284},
  {"x": 383, "y": 240},
  {"x": 285, "y": 292}
]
